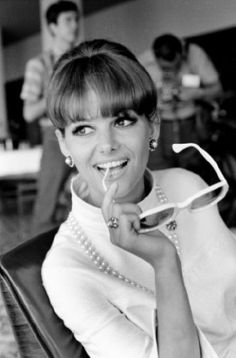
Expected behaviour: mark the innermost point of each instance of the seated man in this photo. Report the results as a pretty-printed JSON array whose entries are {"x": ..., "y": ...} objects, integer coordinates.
[{"x": 184, "y": 76}]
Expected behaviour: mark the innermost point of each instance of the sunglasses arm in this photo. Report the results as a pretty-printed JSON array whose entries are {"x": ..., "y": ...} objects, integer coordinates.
[{"x": 178, "y": 147}]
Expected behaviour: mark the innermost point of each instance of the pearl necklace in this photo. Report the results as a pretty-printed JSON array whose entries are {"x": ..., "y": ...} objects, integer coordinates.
[
  {"x": 90, "y": 250},
  {"x": 95, "y": 256},
  {"x": 171, "y": 226}
]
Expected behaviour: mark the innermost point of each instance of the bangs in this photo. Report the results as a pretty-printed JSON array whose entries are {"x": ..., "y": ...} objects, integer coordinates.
[{"x": 116, "y": 88}]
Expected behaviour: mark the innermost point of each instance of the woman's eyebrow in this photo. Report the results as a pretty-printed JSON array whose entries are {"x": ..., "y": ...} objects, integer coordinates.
[
  {"x": 123, "y": 113},
  {"x": 82, "y": 119},
  {"x": 90, "y": 119},
  {"x": 128, "y": 113}
]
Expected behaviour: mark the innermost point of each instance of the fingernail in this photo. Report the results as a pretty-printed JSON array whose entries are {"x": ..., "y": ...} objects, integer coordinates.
[{"x": 114, "y": 188}]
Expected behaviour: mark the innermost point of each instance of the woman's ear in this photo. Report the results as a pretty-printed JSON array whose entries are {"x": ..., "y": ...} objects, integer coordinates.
[
  {"x": 155, "y": 127},
  {"x": 61, "y": 141}
]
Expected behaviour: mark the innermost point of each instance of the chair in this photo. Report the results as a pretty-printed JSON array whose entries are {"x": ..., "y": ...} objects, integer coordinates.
[
  {"x": 37, "y": 329},
  {"x": 16, "y": 193}
]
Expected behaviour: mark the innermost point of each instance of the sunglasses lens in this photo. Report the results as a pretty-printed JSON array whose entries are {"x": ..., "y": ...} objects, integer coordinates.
[
  {"x": 206, "y": 199},
  {"x": 156, "y": 219}
]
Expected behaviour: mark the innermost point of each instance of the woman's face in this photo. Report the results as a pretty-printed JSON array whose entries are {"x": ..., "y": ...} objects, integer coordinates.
[{"x": 119, "y": 143}]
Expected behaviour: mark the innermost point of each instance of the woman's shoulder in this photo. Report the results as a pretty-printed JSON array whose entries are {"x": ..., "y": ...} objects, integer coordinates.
[
  {"x": 65, "y": 259},
  {"x": 178, "y": 183},
  {"x": 64, "y": 251}
]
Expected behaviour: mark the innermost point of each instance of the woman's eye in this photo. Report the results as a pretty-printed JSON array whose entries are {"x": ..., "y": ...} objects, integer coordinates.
[
  {"x": 124, "y": 122},
  {"x": 82, "y": 130}
]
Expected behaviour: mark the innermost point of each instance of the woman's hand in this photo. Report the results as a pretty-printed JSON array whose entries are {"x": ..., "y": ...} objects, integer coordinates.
[
  {"x": 154, "y": 247},
  {"x": 177, "y": 336}
]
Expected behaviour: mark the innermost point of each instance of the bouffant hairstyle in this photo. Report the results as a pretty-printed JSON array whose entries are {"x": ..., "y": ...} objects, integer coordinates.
[{"x": 108, "y": 69}]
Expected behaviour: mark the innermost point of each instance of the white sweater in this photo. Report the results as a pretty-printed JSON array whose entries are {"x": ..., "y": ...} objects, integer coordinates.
[{"x": 113, "y": 319}]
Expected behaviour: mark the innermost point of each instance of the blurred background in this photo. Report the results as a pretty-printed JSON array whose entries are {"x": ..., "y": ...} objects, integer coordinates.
[{"x": 135, "y": 23}]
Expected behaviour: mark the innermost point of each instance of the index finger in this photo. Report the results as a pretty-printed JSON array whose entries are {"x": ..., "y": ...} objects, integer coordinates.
[{"x": 109, "y": 200}]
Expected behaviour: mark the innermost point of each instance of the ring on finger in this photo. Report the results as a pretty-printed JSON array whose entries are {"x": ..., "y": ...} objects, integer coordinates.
[{"x": 113, "y": 223}]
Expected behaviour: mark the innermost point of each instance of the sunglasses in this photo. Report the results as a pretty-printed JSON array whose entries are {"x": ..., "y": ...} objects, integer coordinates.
[{"x": 154, "y": 218}]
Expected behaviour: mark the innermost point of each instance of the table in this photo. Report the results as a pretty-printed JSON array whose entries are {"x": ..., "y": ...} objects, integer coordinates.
[
  {"x": 20, "y": 162},
  {"x": 18, "y": 176}
]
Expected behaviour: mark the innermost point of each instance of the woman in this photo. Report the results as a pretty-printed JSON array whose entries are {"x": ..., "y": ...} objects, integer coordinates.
[{"x": 122, "y": 289}]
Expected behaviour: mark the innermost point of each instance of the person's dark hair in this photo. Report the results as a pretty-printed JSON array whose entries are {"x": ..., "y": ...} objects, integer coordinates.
[
  {"x": 59, "y": 7},
  {"x": 167, "y": 47},
  {"x": 111, "y": 71}
]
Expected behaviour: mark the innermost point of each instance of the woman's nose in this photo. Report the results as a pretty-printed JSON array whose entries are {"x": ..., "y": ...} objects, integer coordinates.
[{"x": 108, "y": 142}]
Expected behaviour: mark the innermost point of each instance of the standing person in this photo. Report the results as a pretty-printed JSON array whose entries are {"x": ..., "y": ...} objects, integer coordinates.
[
  {"x": 130, "y": 286},
  {"x": 185, "y": 77},
  {"x": 63, "y": 23}
]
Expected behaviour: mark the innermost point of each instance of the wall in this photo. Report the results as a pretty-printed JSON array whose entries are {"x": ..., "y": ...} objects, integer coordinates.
[
  {"x": 17, "y": 54},
  {"x": 136, "y": 23}
]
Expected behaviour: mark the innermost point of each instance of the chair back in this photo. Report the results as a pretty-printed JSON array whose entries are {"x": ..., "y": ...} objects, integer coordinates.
[{"x": 39, "y": 332}]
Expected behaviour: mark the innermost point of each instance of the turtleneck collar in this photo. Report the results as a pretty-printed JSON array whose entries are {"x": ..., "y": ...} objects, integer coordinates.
[{"x": 90, "y": 217}]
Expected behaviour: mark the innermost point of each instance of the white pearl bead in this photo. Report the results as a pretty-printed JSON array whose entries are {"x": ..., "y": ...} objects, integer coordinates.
[
  {"x": 96, "y": 258},
  {"x": 173, "y": 237}
]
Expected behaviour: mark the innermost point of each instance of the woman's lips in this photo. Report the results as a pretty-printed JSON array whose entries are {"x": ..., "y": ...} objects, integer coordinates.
[{"x": 113, "y": 166}]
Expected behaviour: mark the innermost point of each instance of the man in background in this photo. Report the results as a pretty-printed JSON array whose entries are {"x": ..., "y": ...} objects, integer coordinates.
[
  {"x": 185, "y": 78},
  {"x": 63, "y": 24}
]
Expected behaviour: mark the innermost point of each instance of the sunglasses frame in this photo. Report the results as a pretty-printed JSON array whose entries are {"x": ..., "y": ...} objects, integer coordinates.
[{"x": 186, "y": 203}]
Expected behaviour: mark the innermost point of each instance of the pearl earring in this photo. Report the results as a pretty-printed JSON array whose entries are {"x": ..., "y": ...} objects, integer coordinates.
[
  {"x": 153, "y": 143},
  {"x": 69, "y": 161}
]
